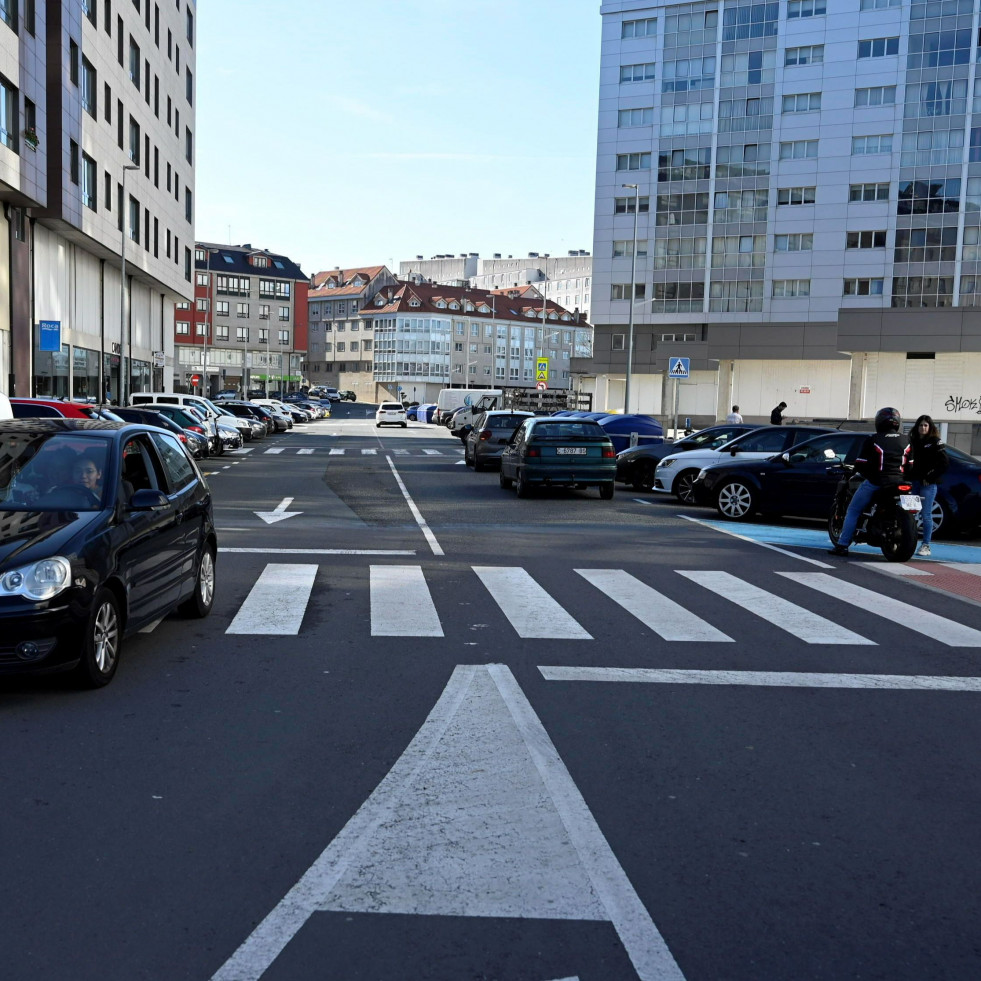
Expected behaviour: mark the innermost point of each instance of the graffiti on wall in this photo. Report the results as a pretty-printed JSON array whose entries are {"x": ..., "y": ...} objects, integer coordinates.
[{"x": 960, "y": 403}]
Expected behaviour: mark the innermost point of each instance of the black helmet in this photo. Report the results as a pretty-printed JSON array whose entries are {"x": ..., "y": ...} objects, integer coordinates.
[{"x": 888, "y": 420}]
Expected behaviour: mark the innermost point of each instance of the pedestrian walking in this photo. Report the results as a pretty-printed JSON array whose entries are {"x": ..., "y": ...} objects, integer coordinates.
[
  {"x": 928, "y": 464},
  {"x": 776, "y": 416},
  {"x": 734, "y": 416}
]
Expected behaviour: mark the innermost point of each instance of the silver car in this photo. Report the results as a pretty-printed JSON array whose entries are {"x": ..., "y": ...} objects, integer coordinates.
[{"x": 489, "y": 435}]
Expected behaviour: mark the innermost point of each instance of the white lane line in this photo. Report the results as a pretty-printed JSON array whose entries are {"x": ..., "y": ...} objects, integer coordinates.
[
  {"x": 904, "y": 615},
  {"x": 803, "y": 624},
  {"x": 432, "y": 452},
  {"x": 336, "y": 452},
  {"x": 401, "y": 604},
  {"x": 400, "y": 452},
  {"x": 666, "y": 618},
  {"x": 275, "y": 449},
  {"x": 753, "y": 541},
  {"x": 530, "y": 610},
  {"x": 315, "y": 551},
  {"x": 416, "y": 513},
  {"x": 227, "y": 466},
  {"x": 304, "y": 452},
  {"x": 641, "y": 938},
  {"x": 277, "y": 601},
  {"x": 774, "y": 679},
  {"x": 371, "y": 452},
  {"x": 243, "y": 450}
]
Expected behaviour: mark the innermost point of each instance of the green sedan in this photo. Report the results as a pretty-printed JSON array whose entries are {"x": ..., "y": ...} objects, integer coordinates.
[{"x": 557, "y": 452}]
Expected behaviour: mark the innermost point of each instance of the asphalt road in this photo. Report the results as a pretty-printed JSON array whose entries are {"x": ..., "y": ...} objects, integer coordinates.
[{"x": 689, "y": 755}]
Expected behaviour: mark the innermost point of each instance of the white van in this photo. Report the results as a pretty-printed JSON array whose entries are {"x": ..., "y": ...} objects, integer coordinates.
[
  {"x": 210, "y": 413},
  {"x": 465, "y": 418},
  {"x": 450, "y": 399}
]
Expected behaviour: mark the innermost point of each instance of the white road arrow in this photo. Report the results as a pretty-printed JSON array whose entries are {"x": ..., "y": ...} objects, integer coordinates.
[{"x": 271, "y": 517}]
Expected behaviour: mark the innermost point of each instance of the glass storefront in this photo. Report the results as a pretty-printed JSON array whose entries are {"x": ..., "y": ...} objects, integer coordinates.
[
  {"x": 85, "y": 373},
  {"x": 51, "y": 373}
]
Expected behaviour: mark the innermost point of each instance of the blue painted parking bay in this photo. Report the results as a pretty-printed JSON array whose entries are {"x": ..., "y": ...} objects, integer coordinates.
[{"x": 818, "y": 538}]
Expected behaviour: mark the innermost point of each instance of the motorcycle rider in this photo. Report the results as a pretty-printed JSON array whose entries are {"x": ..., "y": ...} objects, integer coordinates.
[{"x": 881, "y": 461}]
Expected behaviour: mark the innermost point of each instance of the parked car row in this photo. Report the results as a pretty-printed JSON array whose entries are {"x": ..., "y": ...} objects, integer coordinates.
[{"x": 776, "y": 471}]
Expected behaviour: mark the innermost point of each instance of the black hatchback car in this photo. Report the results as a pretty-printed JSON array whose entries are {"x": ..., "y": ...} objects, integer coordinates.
[
  {"x": 104, "y": 528},
  {"x": 636, "y": 465}
]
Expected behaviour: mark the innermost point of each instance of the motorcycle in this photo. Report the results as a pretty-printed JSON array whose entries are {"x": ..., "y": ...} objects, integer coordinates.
[{"x": 889, "y": 521}]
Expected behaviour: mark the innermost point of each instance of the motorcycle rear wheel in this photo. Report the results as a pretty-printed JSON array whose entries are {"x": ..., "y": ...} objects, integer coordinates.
[
  {"x": 836, "y": 519},
  {"x": 900, "y": 547}
]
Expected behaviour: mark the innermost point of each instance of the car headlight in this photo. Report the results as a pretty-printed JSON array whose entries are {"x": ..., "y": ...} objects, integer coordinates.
[
  {"x": 666, "y": 463},
  {"x": 38, "y": 581}
]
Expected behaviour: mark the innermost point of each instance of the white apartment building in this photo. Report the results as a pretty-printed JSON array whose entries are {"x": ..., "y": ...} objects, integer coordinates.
[
  {"x": 97, "y": 130},
  {"x": 804, "y": 178}
]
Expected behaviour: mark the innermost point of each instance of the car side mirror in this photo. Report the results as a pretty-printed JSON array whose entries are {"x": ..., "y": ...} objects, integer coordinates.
[
  {"x": 786, "y": 458},
  {"x": 734, "y": 451},
  {"x": 148, "y": 500}
]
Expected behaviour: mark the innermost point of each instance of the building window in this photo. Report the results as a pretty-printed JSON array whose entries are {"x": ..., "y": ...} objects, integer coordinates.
[
  {"x": 747, "y": 68},
  {"x": 242, "y": 334},
  {"x": 923, "y": 197},
  {"x": 683, "y": 120},
  {"x": 805, "y": 8},
  {"x": 684, "y": 164},
  {"x": 682, "y": 209},
  {"x": 926, "y": 244},
  {"x": 796, "y": 195},
  {"x": 679, "y": 253},
  {"x": 807, "y": 54},
  {"x": 688, "y": 74},
  {"x": 879, "y": 4},
  {"x": 879, "y": 47},
  {"x": 134, "y": 140},
  {"x": 933, "y": 147},
  {"x": 877, "y": 95},
  {"x": 739, "y": 251},
  {"x": 625, "y": 206},
  {"x": 634, "y": 161},
  {"x": 241, "y": 309},
  {"x": 799, "y": 150},
  {"x": 865, "y": 240},
  {"x": 639, "y": 28},
  {"x": 134, "y": 62},
  {"x": 750, "y": 20},
  {"x": 182, "y": 327},
  {"x": 868, "y": 192},
  {"x": 736, "y": 296},
  {"x": 284, "y": 337},
  {"x": 221, "y": 308},
  {"x": 791, "y": 287},
  {"x": 621, "y": 291},
  {"x": 732, "y": 206},
  {"x": 637, "y": 73},
  {"x": 134, "y": 219},
  {"x": 625, "y": 247},
  {"x": 806, "y": 102},
  {"x": 678, "y": 297},
  {"x": 938, "y": 48},
  {"x": 284, "y": 314},
  {"x": 89, "y": 182},
  {"x": 862, "y": 287},
  {"x": 866, "y": 145},
  {"x": 263, "y": 311},
  {"x": 73, "y": 161},
  {"x": 796, "y": 242},
  {"x": 635, "y": 117},
  {"x": 922, "y": 291},
  {"x": 8, "y": 114}
]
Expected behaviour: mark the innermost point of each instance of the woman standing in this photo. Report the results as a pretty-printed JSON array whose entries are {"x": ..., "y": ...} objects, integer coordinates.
[{"x": 929, "y": 463}]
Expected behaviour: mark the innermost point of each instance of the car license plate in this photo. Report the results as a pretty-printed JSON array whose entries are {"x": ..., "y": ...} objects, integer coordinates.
[
  {"x": 571, "y": 450},
  {"x": 909, "y": 502}
]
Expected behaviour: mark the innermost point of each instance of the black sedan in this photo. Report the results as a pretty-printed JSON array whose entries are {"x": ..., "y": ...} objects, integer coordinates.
[
  {"x": 802, "y": 482},
  {"x": 636, "y": 465},
  {"x": 104, "y": 528}
]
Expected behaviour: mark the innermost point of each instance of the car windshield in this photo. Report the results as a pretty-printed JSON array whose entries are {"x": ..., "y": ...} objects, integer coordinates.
[
  {"x": 52, "y": 471},
  {"x": 568, "y": 430},
  {"x": 504, "y": 422},
  {"x": 710, "y": 439}
]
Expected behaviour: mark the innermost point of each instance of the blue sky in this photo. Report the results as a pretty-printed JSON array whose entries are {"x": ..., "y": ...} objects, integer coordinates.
[{"x": 343, "y": 134}]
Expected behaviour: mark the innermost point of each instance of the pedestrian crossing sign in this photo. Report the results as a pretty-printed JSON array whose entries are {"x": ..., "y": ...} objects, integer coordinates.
[
  {"x": 541, "y": 370},
  {"x": 678, "y": 367}
]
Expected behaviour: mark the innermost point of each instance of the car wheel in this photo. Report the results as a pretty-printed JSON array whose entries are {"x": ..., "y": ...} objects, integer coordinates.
[
  {"x": 101, "y": 643},
  {"x": 405, "y": 425},
  {"x": 478, "y": 464},
  {"x": 378, "y": 425},
  {"x": 521, "y": 484},
  {"x": 466, "y": 456},
  {"x": 735, "y": 501},
  {"x": 199, "y": 604},
  {"x": 645, "y": 475},
  {"x": 683, "y": 486},
  {"x": 506, "y": 482},
  {"x": 606, "y": 490}
]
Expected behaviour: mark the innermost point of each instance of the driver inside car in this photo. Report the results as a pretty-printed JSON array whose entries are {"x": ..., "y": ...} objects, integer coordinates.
[{"x": 87, "y": 471}]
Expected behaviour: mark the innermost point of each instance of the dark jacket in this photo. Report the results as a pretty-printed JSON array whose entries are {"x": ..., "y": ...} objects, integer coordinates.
[
  {"x": 928, "y": 460},
  {"x": 776, "y": 417},
  {"x": 882, "y": 459}
]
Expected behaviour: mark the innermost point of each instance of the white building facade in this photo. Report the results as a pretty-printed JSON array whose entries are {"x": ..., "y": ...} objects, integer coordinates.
[{"x": 807, "y": 206}]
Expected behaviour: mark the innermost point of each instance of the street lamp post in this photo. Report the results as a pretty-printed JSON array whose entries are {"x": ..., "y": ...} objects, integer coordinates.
[
  {"x": 124, "y": 348},
  {"x": 630, "y": 329}
]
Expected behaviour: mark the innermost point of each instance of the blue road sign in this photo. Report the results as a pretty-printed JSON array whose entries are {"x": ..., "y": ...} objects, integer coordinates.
[
  {"x": 50, "y": 335},
  {"x": 679, "y": 367}
]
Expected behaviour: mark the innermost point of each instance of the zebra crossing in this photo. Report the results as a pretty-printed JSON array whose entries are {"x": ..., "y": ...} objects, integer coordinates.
[
  {"x": 403, "y": 604},
  {"x": 344, "y": 451}
]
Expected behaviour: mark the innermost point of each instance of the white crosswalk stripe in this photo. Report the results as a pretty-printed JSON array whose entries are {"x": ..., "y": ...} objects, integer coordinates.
[
  {"x": 371, "y": 452},
  {"x": 303, "y": 452},
  {"x": 807, "y": 626},
  {"x": 432, "y": 452},
  {"x": 666, "y": 618},
  {"x": 531, "y": 611},
  {"x": 336, "y": 452},
  {"x": 277, "y": 601},
  {"x": 400, "y": 452},
  {"x": 275, "y": 449},
  {"x": 911, "y": 617},
  {"x": 401, "y": 604}
]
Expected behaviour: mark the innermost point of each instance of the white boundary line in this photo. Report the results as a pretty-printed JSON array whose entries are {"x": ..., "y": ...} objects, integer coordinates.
[
  {"x": 753, "y": 541},
  {"x": 318, "y": 551},
  {"x": 778, "y": 679},
  {"x": 420, "y": 520}
]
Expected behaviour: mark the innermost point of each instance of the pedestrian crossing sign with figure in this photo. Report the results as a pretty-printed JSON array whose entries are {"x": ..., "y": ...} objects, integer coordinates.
[
  {"x": 678, "y": 367},
  {"x": 541, "y": 370}
]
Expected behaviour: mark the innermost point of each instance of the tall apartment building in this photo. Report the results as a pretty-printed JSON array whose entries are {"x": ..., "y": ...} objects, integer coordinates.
[
  {"x": 247, "y": 327},
  {"x": 804, "y": 177},
  {"x": 97, "y": 126},
  {"x": 429, "y": 336}
]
